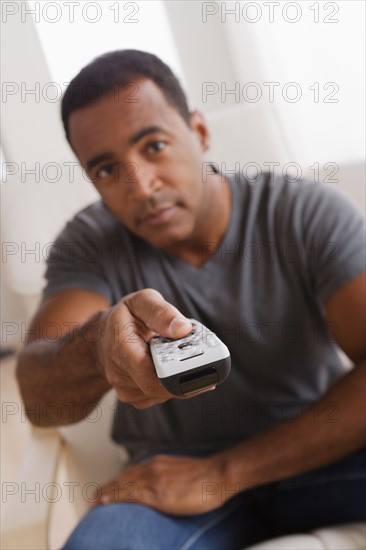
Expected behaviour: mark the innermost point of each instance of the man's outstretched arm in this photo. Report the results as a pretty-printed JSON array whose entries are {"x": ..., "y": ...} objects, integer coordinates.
[
  {"x": 101, "y": 347},
  {"x": 58, "y": 362}
]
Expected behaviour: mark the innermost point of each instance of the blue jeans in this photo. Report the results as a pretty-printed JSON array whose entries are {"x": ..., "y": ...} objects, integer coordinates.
[{"x": 328, "y": 496}]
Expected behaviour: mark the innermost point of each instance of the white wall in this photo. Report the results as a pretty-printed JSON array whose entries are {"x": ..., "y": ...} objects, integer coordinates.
[
  {"x": 261, "y": 48},
  {"x": 77, "y": 37},
  {"x": 306, "y": 52}
]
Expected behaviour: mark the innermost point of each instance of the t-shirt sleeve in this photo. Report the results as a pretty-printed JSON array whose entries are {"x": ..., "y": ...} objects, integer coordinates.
[
  {"x": 75, "y": 261},
  {"x": 334, "y": 237}
]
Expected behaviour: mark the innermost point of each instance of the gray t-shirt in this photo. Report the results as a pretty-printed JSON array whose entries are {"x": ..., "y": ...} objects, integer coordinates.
[{"x": 289, "y": 246}]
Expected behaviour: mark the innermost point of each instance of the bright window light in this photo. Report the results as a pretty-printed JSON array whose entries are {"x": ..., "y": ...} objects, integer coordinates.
[{"x": 73, "y": 33}]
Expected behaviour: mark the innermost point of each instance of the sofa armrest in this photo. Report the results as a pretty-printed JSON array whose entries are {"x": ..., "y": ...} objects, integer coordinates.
[
  {"x": 29, "y": 499},
  {"x": 350, "y": 536}
]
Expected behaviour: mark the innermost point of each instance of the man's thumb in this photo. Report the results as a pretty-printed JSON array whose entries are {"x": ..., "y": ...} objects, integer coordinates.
[{"x": 179, "y": 327}]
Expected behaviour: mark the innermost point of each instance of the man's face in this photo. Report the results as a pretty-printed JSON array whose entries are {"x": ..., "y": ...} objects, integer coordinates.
[{"x": 145, "y": 162}]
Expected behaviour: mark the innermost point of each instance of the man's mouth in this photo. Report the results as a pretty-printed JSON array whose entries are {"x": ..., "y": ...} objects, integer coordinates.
[{"x": 160, "y": 216}]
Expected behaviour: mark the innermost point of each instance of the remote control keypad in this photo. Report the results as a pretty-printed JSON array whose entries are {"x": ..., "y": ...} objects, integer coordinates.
[{"x": 184, "y": 348}]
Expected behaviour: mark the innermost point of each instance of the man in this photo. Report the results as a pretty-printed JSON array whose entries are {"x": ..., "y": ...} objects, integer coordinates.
[{"x": 275, "y": 268}]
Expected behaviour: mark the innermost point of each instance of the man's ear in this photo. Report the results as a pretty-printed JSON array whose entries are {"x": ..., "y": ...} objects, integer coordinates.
[{"x": 199, "y": 126}]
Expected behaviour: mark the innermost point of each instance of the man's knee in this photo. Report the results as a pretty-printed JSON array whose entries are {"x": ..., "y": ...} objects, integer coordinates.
[{"x": 115, "y": 526}]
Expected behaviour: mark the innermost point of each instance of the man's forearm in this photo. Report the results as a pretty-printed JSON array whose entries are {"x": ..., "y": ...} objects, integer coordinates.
[
  {"x": 60, "y": 381},
  {"x": 304, "y": 444}
]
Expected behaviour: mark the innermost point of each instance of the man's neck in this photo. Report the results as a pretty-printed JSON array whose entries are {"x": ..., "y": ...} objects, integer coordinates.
[{"x": 214, "y": 226}]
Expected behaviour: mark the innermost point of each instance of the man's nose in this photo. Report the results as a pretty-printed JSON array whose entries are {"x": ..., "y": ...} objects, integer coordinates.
[{"x": 142, "y": 182}]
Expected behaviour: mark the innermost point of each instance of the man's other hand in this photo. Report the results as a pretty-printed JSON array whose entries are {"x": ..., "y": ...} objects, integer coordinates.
[{"x": 172, "y": 485}]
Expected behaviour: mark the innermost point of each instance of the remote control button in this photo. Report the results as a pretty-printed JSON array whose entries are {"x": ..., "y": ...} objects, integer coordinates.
[{"x": 185, "y": 345}]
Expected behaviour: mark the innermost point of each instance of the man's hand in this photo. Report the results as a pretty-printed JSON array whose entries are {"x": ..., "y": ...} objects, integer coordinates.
[
  {"x": 123, "y": 353},
  {"x": 172, "y": 485}
]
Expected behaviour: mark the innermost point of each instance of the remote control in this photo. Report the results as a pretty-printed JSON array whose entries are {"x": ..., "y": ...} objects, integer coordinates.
[{"x": 192, "y": 363}]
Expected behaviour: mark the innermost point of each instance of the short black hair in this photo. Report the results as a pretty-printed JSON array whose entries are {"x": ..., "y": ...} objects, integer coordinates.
[{"x": 112, "y": 70}]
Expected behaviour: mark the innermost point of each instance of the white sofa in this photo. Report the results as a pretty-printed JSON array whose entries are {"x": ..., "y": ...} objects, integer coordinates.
[{"x": 85, "y": 456}]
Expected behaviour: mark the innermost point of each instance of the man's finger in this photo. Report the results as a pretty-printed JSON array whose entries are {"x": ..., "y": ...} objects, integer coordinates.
[
  {"x": 119, "y": 490},
  {"x": 157, "y": 314},
  {"x": 107, "y": 493}
]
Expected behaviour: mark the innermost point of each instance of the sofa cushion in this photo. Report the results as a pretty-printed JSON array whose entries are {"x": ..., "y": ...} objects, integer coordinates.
[
  {"x": 351, "y": 536},
  {"x": 341, "y": 537}
]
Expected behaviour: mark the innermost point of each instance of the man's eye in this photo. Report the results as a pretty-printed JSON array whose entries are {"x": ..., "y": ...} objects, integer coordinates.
[
  {"x": 105, "y": 171},
  {"x": 156, "y": 146}
]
